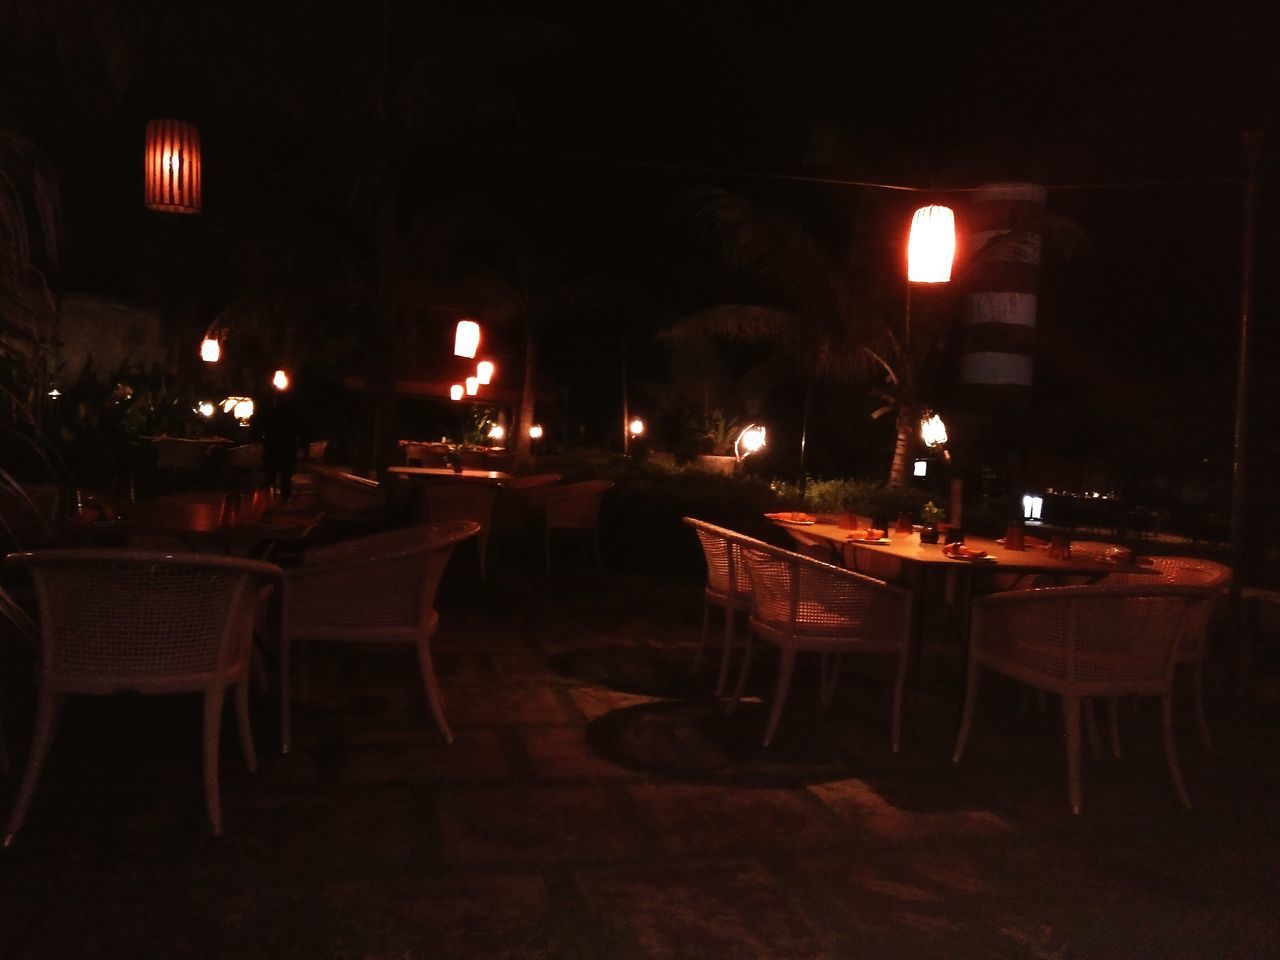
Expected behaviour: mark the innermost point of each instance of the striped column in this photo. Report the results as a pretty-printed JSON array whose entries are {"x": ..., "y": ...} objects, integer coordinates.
[{"x": 997, "y": 345}]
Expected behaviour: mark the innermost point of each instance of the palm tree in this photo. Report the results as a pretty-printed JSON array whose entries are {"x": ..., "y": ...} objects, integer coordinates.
[{"x": 806, "y": 303}]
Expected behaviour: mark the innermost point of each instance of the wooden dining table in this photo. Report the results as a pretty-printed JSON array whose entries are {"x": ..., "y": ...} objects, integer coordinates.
[
  {"x": 492, "y": 476},
  {"x": 251, "y": 523}
]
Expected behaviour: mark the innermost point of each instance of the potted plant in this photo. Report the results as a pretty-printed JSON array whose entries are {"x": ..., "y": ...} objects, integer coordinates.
[
  {"x": 930, "y": 515},
  {"x": 718, "y": 436}
]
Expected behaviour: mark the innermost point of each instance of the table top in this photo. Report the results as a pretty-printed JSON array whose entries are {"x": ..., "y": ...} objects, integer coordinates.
[
  {"x": 495, "y": 476},
  {"x": 908, "y": 548},
  {"x": 249, "y": 516}
]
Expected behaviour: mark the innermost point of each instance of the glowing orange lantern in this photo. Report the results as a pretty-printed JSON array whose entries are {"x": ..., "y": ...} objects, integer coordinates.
[
  {"x": 455, "y": 392},
  {"x": 210, "y": 350},
  {"x": 484, "y": 372},
  {"x": 281, "y": 380},
  {"x": 473, "y": 386},
  {"x": 535, "y": 432},
  {"x": 466, "y": 339},
  {"x": 932, "y": 245},
  {"x": 172, "y": 167}
]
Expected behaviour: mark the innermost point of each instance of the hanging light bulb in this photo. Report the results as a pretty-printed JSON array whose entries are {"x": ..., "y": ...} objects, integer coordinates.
[
  {"x": 466, "y": 339},
  {"x": 455, "y": 392},
  {"x": 210, "y": 350},
  {"x": 280, "y": 381},
  {"x": 535, "y": 432},
  {"x": 484, "y": 372},
  {"x": 473, "y": 386},
  {"x": 931, "y": 246},
  {"x": 172, "y": 167}
]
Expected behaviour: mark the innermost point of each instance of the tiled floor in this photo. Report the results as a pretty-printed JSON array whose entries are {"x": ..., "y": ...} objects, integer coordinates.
[{"x": 599, "y": 803}]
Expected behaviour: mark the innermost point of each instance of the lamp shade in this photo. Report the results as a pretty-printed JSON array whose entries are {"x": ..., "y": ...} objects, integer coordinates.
[
  {"x": 280, "y": 380},
  {"x": 172, "y": 167},
  {"x": 466, "y": 339},
  {"x": 933, "y": 431},
  {"x": 484, "y": 372},
  {"x": 210, "y": 350},
  {"x": 535, "y": 431},
  {"x": 932, "y": 245},
  {"x": 473, "y": 386},
  {"x": 455, "y": 392}
]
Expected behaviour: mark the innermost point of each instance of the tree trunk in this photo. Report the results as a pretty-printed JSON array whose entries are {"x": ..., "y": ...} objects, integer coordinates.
[
  {"x": 902, "y": 449},
  {"x": 528, "y": 397}
]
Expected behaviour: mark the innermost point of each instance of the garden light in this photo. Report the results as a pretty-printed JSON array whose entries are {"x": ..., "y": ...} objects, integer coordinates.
[
  {"x": 473, "y": 386},
  {"x": 635, "y": 427},
  {"x": 932, "y": 245},
  {"x": 1031, "y": 507},
  {"x": 535, "y": 432},
  {"x": 205, "y": 409},
  {"x": 466, "y": 339},
  {"x": 749, "y": 441},
  {"x": 932, "y": 430},
  {"x": 455, "y": 392},
  {"x": 210, "y": 350},
  {"x": 497, "y": 432},
  {"x": 281, "y": 380},
  {"x": 484, "y": 372},
  {"x": 55, "y": 393}
]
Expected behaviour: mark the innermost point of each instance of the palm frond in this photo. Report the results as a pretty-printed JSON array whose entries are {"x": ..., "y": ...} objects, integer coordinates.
[{"x": 733, "y": 321}]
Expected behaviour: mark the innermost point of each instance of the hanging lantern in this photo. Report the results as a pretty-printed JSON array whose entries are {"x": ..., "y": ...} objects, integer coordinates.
[
  {"x": 280, "y": 381},
  {"x": 932, "y": 245},
  {"x": 466, "y": 339},
  {"x": 473, "y": 386},
  {"x": 455, "y": 392},
  {"x": 484, "y": 372},
  {"x": 172, "y": 167},
  {"x": 210, "y": 350}
]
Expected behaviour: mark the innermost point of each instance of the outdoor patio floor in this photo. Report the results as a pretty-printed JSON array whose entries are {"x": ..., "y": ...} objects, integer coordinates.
[{"x": 599, "y": 803}]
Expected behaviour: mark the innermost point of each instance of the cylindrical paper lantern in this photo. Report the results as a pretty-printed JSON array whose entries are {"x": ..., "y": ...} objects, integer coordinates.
[{"x": 172, "y": 167}]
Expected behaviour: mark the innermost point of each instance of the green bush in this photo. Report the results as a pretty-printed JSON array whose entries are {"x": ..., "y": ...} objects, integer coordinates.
[{"x": 863, "y": 497}]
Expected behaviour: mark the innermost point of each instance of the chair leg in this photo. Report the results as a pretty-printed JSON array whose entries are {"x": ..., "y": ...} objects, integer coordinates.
[
  {"x": 702, "y": 641},
  {"x": 433, "y": 690},
  {"x": 899, "y": 688},
  {"x": 213, "y": 700},
  {"x": 830, "y": 675},
  {"x": 743, "y": 673},
  {"x": 1091, "y": 727},
  {"x": 1197, "y": 690},
  {"x": 41, "y": 738},
  {"x": 285, "y": 705},
  {"x": 242, "y": 722},
  {"x": 1171, "y": 751},
  {"x": 786, "y": 667},
  {"x": 966, "y": 714},
  {"x": 1071, "y": 718},
  {"x": 727, "y": 653},
  {"x": 1113, "y": 715}
]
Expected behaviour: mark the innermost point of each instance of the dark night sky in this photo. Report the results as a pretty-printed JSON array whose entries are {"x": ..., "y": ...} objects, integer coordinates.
[{"x": 944, "y": 98}]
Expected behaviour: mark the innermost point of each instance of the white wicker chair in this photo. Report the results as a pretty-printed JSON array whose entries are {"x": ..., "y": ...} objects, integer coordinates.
[
  {"x": 801, "y": 604},
  {"x": 728, "y": 587},
  {"x": 1210, "y": 579},
  {"x": 1081, "y": 642},
  {"x": 380, "y": 588},
  {"x": 450, "y": 499},
  {"x": 113, "y": 620},
  {"x": 574, "y": 506}
]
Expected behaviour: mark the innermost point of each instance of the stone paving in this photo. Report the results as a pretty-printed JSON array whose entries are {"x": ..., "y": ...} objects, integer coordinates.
[{"x": 599, "y": 803}]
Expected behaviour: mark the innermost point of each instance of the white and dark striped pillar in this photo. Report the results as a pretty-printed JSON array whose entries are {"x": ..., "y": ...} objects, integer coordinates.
[{"x": 998, "y": 340}]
